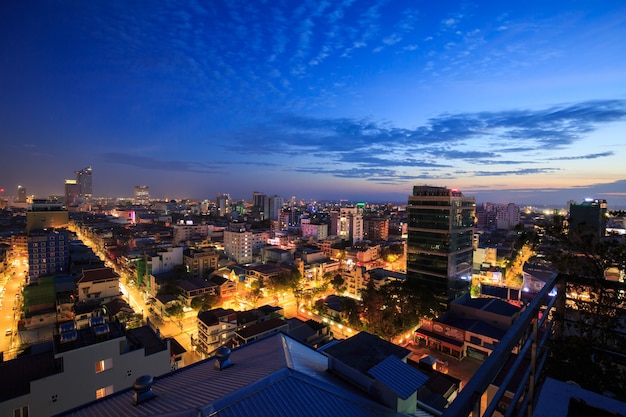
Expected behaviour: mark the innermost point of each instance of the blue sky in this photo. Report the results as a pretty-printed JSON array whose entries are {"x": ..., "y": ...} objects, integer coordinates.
[{"x": 506, "y": 101}]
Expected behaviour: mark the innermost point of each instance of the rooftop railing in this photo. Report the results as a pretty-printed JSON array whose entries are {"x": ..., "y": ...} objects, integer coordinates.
[{"x": 528, "y": 337}]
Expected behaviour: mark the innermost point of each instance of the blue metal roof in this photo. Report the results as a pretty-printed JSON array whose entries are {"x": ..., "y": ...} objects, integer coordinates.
[
  {"x": 401, "y": 378},
  {"x": 276, "y": 376}
]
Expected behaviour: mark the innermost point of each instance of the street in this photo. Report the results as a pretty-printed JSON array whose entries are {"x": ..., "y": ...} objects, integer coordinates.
[{"x": 11, "y": 282}]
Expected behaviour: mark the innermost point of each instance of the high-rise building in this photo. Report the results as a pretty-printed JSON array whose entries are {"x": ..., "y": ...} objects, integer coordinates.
[
  {"x": 141, "y": 194},
  {"x": 258, "y": 200},
  {"x": 44, "y": 214},
  {"x": 347, "y": 223},
  {"x": 83, "y": 178},
  {"x": 71, "y": 192},
  {"x": 273, "y": 207},
  {"x": 48, "y": 241},
  {"x": 590, "y": 215},
  {"x": 376, "y": 229},
  {"x": 21, "y": 194},
  {"x": 439, "y": 244},
  {"x": 241, "y": 244},
  {"x": 507, "y": 216},
  {"x": 222, "y": 202}
]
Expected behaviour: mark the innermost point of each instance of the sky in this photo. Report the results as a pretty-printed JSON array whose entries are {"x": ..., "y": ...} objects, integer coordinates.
[{"x": 520, "y": 102}]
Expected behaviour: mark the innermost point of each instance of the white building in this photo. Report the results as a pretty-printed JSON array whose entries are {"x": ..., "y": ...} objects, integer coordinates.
[
  {"x": 215, "y": 328},
  {"x": 347, "y": 223},
  {"x": 98, "y": 284},
  {"x": 242, "y": 245},
  {"x": 507, "y": 216},
  {"x": 165, "y": 260},
  {"x": 78, "y": 367}
]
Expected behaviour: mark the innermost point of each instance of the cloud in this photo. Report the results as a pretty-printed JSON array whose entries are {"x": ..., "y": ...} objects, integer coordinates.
[
  {"x": 525, "y": 171},
  {"x": 371, "y": 149},
  {"x": 589, "y": 156},
  {"x": 145, "y": 162}
]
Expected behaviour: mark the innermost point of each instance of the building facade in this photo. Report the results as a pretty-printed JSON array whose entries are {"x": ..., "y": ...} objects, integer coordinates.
[
  {"x": 141, "y": 195},
  {"x": 439, "y": 244},
  {"x": 347, "y": 223},
  {"x": 200, "y": 263},
  {"x": 590, "y": 215},
  {"x": 242, "y": 245},
  {"x": 80, "y": 366},
  {"x": 376, "y": 229},
  {"x": 48, "y": 252},
  {"x": 83, "y": 178}
]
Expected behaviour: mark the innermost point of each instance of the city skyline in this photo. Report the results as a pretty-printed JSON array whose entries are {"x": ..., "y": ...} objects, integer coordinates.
[{"x": 355, "y": 100}]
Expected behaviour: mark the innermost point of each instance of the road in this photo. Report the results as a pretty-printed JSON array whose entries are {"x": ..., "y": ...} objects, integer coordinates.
[{"x": 11, "y": 282}]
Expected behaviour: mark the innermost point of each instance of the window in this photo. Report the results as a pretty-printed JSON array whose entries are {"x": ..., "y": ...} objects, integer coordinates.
[
  {"x": 103, "y": 392},
  {"x": 103, "y": 365},
  {"x": 21, "y": 412},
  {"x": 475, "y": 340}
]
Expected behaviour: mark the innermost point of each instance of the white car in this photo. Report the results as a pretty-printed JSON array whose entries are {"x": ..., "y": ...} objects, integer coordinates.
[{"x": 8, "y": 332}]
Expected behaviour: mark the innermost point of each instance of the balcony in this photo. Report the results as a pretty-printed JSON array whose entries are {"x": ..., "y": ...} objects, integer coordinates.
[{"x": 528, "y": 335}]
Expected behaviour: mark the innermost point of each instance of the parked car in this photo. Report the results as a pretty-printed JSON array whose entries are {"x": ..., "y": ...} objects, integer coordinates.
[{"x": 8, "y": 332}]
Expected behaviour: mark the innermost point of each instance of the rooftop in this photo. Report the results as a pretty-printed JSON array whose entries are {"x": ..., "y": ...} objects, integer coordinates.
[
  {"x": 364, "y": 351},
  {"x": 491, "y": 305},
  {"x": 90, "y": 275},
  {"x": 275, "y": 376}
]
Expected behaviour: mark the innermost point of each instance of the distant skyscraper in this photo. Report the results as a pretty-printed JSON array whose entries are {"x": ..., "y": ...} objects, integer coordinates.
[
  {"x": 439, "y": 244},
  {"x": 259, "y": 202},
  {"x": 142, "y": 194},
  {"x": 590, "y": 215},
  {"x": 21, "y": 194},
  {"x": 258, "y": 199},
  {"x": 83, "y": 178},
  {"x": 223, "y": 204},
  {"x": 71, "y": 192},
  {"x": 273, "y": 207}
]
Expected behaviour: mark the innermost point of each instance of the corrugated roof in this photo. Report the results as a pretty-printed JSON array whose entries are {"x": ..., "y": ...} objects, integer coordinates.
[
  {"x": 364, "y": 350},
  {"x": 398, "y": 376},
  {"x": 276, "y": 376},
  {"x": 288, "y": 393}
]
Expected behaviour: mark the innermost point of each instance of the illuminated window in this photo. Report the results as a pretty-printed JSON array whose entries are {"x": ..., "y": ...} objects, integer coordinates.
[
  {"x": 103, "y": 392},
  {"x": 103, "y": 365}
]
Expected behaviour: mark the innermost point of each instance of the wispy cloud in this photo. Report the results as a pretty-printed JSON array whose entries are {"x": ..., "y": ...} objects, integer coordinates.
[
  {"x": 145, "y": 162},
  {"x": 368, "y": 149},
  {"x": 589, "y": 156},
  {"x": 525, "y": 171}
]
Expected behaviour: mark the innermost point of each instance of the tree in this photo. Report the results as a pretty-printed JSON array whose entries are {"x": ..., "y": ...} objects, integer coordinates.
[
  {"x": 591, "y": 339},
  {"x": 350, "y": 308},
  {"x": 204, "y": 302},
  {"x": 338, "y": 283},
  {"x": 395, "y": 308},
  {"x": 254, "y": 295},
  {"x": 284, "y": 281},
  {"x": 175, "y": 310}
]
